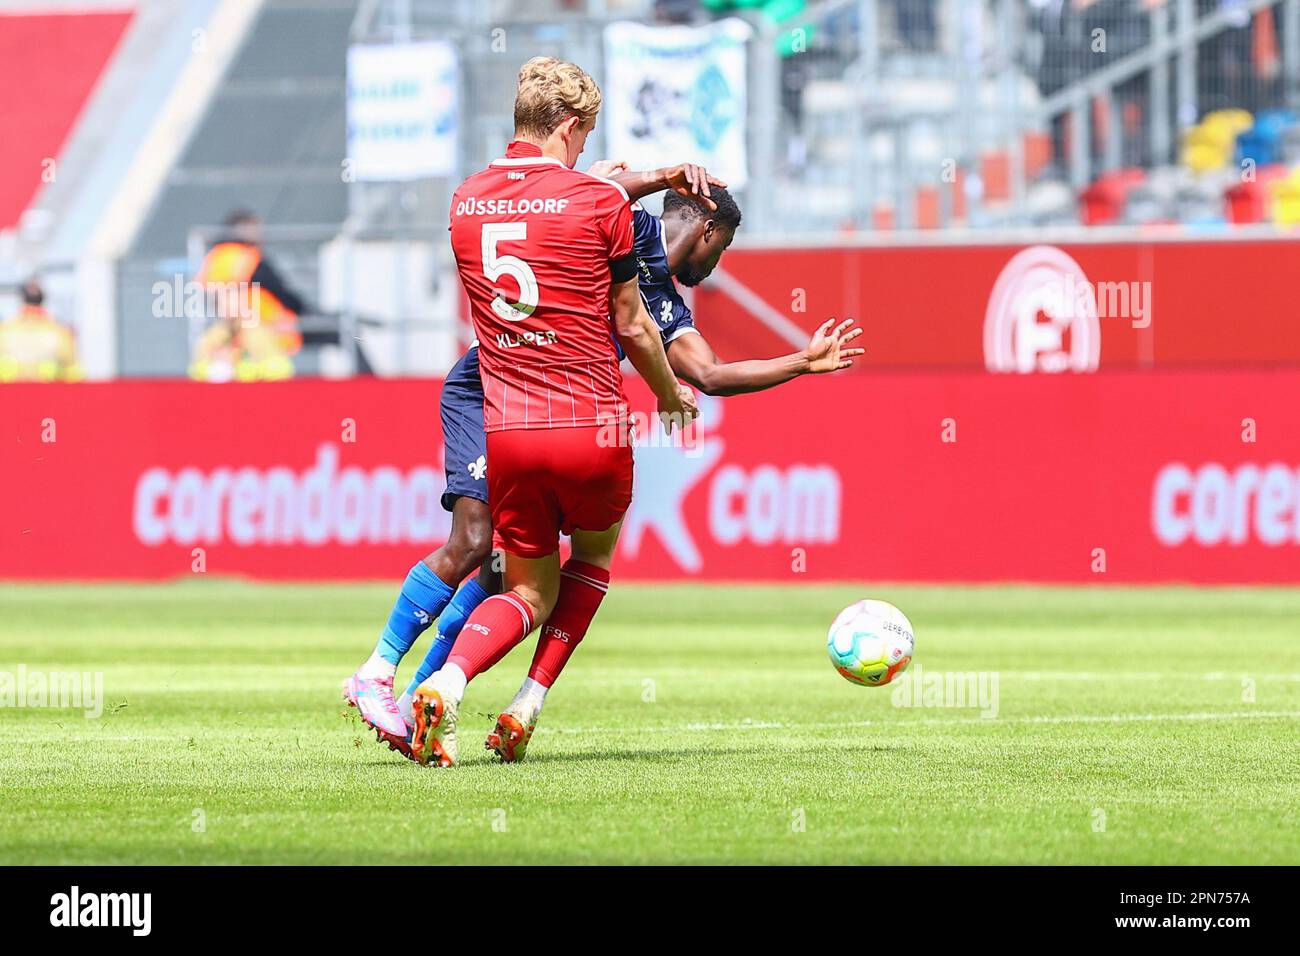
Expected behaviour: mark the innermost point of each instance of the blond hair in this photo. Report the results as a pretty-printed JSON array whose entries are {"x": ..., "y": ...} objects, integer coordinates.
[{"x": 550, "y": 91}]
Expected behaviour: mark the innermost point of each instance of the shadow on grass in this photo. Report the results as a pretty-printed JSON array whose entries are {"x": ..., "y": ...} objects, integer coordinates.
[
  {"x": 630, "y": 755},
  {"x": 800, "y": 751},
  {"x": 766, "y": 751}
]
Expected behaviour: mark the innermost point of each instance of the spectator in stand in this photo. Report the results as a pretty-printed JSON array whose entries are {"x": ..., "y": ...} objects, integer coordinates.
[
  {"x": 34, "y": 347},
  {"x": 256, "y": 331}
]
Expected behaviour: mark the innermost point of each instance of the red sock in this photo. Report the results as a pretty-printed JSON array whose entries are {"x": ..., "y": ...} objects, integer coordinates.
[
  {"x": 496, "y": 625},
  {"x": 582, "y": 586}
]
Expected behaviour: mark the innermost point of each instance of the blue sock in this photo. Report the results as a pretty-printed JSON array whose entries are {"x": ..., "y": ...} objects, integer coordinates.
[
  {"x": 470, "y": 596},
  {"x": 423, "y": 597}
]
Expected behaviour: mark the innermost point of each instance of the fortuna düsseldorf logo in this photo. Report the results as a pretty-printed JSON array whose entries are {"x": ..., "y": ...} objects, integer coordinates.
[{"x": 1042, "y": 316}]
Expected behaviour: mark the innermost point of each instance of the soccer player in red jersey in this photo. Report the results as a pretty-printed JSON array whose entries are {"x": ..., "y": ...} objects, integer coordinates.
[{"x": 546, "y": 257}]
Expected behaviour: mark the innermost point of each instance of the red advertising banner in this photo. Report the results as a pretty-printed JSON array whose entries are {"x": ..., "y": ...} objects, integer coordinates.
[
  {"x": 1039, "y": 308},
  {"x": 1113, "y": 477}
]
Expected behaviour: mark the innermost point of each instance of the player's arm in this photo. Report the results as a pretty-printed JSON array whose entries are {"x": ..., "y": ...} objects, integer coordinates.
[
  {"x": 639, "y": 336},
  {"x": 694, "y": 361},
  {"x": 687, "y": 179},
  {"x": 635, "y": 330}
]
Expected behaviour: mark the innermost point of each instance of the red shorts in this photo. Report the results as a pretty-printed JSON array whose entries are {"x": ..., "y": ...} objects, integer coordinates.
[{"x": 546, "y": 482}]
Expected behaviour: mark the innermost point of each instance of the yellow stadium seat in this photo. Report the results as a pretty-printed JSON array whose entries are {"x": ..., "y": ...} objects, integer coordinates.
[
  {"x": 1286, "y": 200},
  {"x": 1211, "y": 144}
]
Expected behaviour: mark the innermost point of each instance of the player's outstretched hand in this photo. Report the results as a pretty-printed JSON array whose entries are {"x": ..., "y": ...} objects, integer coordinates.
[
  {"x": 607, "y": 168},
  {"x": 826, "y": 351},
  {"x": 681, "y": 412},
  {"x": 693, "y": 182}
]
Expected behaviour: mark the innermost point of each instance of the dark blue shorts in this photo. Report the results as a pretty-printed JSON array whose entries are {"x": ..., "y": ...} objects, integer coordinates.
[{"x": 465, "y": 444}]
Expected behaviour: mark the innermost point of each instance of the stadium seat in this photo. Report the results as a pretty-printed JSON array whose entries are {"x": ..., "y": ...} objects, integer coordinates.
[
  {"x": 1286, "y": 199},
  {"x": 1211, "y": 143},
  {"x": 1038, "y": 153},
  {"x": 1103, "y": 202},
  {"x": 995, "y": 170},
  {"x": 1251, "y": 201},
  {"x": 1290, "y": 146},
  {"x": 928, "y": 214},
  {"x": 1051, "y": 203},
  {"x": 1263, "y": 141}
]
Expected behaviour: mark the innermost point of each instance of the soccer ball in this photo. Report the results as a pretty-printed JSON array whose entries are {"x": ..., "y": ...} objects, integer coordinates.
[{"x": 870, "y": 643}]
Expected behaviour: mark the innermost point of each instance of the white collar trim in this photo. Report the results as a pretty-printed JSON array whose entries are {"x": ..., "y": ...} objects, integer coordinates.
[{"x": 524, "y": 161}]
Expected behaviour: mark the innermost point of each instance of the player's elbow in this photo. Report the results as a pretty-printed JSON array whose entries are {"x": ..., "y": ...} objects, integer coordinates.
[
  {"x": 628, "y": 327},
  {"x": 627, "y": 310},
  {"x": 634, "y": 327},
  {"x": 709, "y": 382},
  {"x": 712, "y": 388}
]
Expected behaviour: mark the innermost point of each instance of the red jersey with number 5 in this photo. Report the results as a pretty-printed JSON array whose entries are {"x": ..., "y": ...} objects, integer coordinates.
[{"x": 533, "y": 241}]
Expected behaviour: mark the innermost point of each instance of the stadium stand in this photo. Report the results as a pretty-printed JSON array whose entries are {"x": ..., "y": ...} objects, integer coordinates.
[
  {"x": 866, "y": 118},
  {"x": 270, "y": 139}
]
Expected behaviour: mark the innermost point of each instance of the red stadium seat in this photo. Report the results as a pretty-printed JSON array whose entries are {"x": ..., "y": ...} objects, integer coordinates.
[
  {"x": 1248, "y": 202},
  {"x": 1102, "y": 203}
]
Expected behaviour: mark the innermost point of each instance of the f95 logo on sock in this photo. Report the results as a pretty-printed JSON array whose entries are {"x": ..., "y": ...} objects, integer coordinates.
[{"x": 481, "y": 628}]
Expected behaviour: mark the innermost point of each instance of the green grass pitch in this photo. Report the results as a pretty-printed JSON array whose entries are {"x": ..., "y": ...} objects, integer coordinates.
[{"x": 695, "y": 725}]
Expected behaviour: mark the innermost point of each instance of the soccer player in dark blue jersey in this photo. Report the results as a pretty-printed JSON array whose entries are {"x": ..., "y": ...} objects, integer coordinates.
[{"x": 684, "y": 246}]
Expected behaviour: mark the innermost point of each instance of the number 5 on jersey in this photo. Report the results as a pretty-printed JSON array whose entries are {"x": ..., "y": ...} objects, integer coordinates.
[{"x": 495, "y": 266}]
